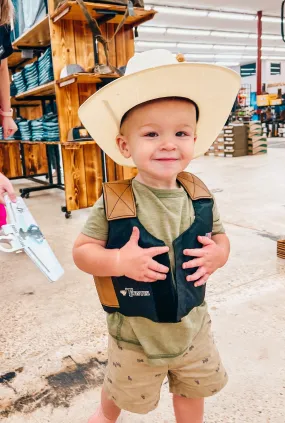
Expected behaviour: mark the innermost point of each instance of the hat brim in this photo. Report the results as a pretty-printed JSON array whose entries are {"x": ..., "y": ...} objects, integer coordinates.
[{"x": 213, "y": 88}]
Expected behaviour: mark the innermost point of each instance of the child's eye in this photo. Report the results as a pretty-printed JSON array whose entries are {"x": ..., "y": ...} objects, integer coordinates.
[
  {"x": 181, "y": 134},
  {"x": 152, "y": 134}
]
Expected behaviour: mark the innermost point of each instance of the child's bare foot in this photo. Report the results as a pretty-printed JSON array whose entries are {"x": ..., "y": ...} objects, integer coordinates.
[{"x": 100, "y": 418}]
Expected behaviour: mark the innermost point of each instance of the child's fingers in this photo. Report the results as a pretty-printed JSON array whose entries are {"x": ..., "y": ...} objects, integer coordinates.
[
  {"x": 150, "y": 274},
  {"x": 204, "y": 240},
  {"x": 193, "y": 263},
  {"x": 196, "y": 252},
  {"x": 156, "y": 251},
  {"x": 157, "y": 267},
  {"x": 197, "y": 275},
  {"x": 202, "y": 281}
]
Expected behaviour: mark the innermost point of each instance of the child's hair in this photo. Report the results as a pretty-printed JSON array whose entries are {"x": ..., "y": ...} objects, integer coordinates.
[
  {"x": 161, "y": 99},
  {"x": 6, "y": 12}
]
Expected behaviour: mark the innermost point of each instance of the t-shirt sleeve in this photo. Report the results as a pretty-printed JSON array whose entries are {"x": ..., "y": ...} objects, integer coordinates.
[
  {"x": 97, "y": 224},
  {"x": 6, "y": 48},
  {"x": 218, "y": 227}
]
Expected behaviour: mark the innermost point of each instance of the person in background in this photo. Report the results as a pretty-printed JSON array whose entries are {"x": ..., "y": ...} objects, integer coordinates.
[{"x": 6, "y": 113}]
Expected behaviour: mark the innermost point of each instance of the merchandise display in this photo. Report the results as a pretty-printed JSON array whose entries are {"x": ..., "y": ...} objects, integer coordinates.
[
  {"x": 257, "y": 142},
  {"x": 217, "y": 149},
  {"x": 34, "y": 74},
  {"x": 78, "y": 133},
  {"x": 235, "y": 140},
  {"x": 43, "y": 129}
]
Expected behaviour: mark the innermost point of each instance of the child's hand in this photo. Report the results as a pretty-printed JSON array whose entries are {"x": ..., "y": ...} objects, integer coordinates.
[
  {"x": 137, "y": 263},
  {"x": 209, "y": 258}
]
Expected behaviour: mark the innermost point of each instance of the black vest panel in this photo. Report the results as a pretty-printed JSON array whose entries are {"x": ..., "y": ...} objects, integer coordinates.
[{"x": 169, "y": 300}]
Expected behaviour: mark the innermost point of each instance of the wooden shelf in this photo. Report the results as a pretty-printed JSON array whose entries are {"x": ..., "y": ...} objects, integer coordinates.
[
  {"x": 72, "y": 11},
  {"x": 41, "y": 142},
  {"x": 84, "y": 78},
  {"x": 10, "y": 142},
  {"x": 31, "y": 103},
  {"x": 46, "y": 90},
  {"x": 37, "y": 36},
  {"x": 76, "y": 144}
]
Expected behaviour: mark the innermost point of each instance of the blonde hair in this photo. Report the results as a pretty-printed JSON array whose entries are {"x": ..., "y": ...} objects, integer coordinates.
[{"x": 6, "y": 12}]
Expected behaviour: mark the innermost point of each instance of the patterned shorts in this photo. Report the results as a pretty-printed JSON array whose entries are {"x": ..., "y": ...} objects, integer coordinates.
[{"x": 134, "y": 385}]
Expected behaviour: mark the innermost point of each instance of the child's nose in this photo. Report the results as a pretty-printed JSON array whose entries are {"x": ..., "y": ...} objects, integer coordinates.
[{"x": 168, "y": 145}]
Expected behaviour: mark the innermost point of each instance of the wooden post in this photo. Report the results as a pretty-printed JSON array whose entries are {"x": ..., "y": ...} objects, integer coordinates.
[{"x": 259, "y": 53}]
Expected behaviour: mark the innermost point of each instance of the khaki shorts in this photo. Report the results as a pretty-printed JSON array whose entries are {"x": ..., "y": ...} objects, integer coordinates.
[{"x": 135, "y": 386}]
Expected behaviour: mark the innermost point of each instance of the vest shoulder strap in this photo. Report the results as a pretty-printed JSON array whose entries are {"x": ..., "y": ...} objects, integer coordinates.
[
  {"x": 195, "y": 188},
  {"x": 119, "y": 200}
]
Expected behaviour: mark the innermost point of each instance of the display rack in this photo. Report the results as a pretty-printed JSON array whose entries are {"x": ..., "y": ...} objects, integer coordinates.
[{"x": 71, "y": 41}]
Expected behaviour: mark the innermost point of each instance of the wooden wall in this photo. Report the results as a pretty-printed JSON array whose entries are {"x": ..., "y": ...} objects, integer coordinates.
[{"x": 72, "y": 43}]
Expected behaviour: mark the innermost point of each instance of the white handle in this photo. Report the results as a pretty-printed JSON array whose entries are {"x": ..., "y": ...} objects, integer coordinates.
[{"x": 10, "y": 240}]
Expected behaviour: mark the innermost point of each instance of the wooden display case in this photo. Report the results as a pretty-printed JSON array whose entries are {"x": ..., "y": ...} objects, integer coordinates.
[{"x": 71, "y": 40}]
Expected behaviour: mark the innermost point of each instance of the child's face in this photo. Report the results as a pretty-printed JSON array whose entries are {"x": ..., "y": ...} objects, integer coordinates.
[{"x": 160, "y": 138}]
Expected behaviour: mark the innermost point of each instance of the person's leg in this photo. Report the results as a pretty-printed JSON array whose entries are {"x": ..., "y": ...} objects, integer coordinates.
[
  {"x": 188, "y": 410},
  {"x": 107, "y": 412}
]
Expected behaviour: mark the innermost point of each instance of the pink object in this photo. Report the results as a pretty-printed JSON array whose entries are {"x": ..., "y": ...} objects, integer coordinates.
[{"x": 3, "y": 215}]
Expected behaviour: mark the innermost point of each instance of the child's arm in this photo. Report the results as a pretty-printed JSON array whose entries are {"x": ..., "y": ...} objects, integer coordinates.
[{"x": 91, "y": 256}]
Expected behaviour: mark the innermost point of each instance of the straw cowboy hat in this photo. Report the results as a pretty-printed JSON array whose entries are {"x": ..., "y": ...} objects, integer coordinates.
[{"x": 157, "y": 74}]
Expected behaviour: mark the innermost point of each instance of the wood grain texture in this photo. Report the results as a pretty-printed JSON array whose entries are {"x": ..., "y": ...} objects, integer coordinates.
[
  {"x": 93, "y": 173},
  {"x": 74, "y": 177},
  {"x": 83, "y": 40},
  {"x": 10, "y": 160},
  {"x": 67, "y": 99},
  {"x": 35, "y": 159}
]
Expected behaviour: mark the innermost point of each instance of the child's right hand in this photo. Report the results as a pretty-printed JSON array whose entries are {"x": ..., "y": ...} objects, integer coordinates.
[{"x": 137, "y": 263}]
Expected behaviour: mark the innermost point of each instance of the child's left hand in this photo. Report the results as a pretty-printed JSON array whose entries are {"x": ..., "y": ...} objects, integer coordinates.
[{"x": 209, "y": 258}]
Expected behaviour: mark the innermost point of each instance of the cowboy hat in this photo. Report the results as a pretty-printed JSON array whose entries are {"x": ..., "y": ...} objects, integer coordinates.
[{"x": 157, "y": 74}]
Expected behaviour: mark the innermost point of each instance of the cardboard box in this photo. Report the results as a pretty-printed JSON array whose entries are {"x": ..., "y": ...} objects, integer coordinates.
[{"x": 262, "y": 100}]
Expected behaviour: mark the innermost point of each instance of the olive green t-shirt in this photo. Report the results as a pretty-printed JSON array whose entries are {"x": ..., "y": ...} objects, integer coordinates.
[{"x": 166, "y": 214}]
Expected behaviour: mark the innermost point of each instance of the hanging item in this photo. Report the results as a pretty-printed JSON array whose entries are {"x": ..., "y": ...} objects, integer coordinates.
[{"x": 100, "y": 68}]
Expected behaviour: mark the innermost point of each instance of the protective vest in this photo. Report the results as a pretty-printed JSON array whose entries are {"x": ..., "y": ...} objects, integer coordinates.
[{"x": 168, "y": 300}]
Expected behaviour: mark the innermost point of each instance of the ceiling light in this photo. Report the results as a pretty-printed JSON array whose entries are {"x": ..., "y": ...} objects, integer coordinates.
[
  {"x": 279, "y": 49},
  {"x": 152, "y": 30},
  {"x": 270, "y": 19},
  {"x": 271, "y": 37},
  {"x": 181, "y": 31},
  {"x": 181, "y": 11},
  {"x": 269, "y": 49},
  {"x": 195, "y": 46},
  {"x": 199, "y": 56},
  {"x": 156, "y": 44},
  {"x": 276, "y": 58},
  {"x": 229, "y": 34},
  {"x": 251, "y": 48},
  {"x": 246, "y": 56},
  {"x": 253, "y": 36},
  {"x": 227, "y": 47},
  {"x": 228, "y": 56},
  {"x": 234, "y": 16},
  {"x": 227, "y": 63}
]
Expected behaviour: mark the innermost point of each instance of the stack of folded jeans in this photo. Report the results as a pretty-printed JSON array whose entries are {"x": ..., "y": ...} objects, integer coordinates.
[
  {"x": 19, "y": 81},
  {"x": 13, "y": 89},
  {"x": 51, "y": 128},
  {"x": 31, "y": 75},
  {"x": 25, "y": 129},
  {"x": 37, "y": 129},
  {"x": 45, "y": 68}
]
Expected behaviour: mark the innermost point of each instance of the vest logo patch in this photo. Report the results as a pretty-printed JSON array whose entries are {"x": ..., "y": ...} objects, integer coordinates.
[{"x": 133, "y": 293}]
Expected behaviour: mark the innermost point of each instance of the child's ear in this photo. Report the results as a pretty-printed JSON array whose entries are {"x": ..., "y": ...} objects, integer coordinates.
[{"x": 123, "y": 146}]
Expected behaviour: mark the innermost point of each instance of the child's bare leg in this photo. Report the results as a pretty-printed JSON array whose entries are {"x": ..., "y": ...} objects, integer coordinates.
[
  {"x": 188, "y": 410},
  {"x": 107, "y": 412}
]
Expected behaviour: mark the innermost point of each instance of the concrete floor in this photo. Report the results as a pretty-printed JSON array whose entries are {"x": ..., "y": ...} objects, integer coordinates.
[{"x": 53, "y": 336}]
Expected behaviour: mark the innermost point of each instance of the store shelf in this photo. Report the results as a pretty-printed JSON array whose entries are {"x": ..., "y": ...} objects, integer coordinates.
[
  {"x": 84, "y": 78},
  {"x": 10, "y": 142},
  {"x": 46, "y": 90},
  {"x": 76, "y": 144},
  {"x": 30, "y": 103},
  {"x": 41, "y": 142},
  {"x": 37, "y": 36},
  {"x": 71, "y": 10}
]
